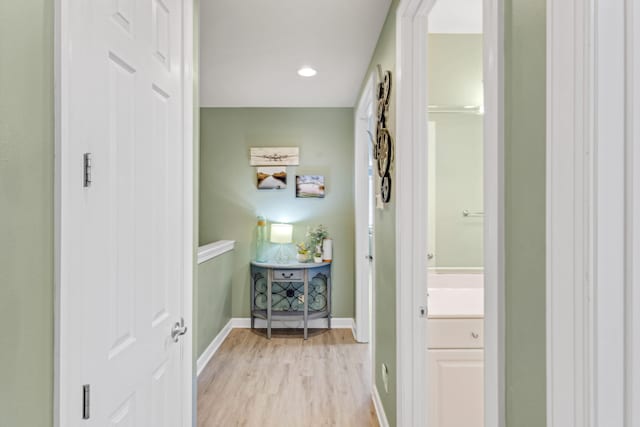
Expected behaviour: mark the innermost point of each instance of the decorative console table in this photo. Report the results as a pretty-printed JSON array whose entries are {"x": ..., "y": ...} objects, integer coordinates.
[{"x": 300, "y": 291}]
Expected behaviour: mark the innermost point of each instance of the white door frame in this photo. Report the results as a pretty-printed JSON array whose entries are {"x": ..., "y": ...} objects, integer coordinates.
[
  {"x": 411, "y": 205},
  {"x": 362, "y": 202},
  {"x": 593, "y": 205},
  {"x": 63, "y": 301}
]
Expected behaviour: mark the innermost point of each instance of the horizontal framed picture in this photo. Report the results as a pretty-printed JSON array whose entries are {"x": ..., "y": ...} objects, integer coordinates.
[
  {"x": 271, "y": 178},
  {"x": 310, "y": 186},
  {"x": 274, "y": 156}
]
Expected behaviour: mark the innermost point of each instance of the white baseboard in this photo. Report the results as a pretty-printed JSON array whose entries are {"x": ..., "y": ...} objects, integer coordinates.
[
  {"x": 336, "y": 323},
  {"x": 377, "y": 403},
  {"x": 215, "y": 344},
  {"x": 354, "y": 329}
]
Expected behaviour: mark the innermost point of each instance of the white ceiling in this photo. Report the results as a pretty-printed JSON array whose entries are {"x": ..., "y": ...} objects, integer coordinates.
[
  {"x": 250, "y": 51},
  {"x": 456, "y": 16}
]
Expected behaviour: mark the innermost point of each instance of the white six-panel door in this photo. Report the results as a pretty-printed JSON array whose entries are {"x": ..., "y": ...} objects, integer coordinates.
[{"x": 122, "y": 235}]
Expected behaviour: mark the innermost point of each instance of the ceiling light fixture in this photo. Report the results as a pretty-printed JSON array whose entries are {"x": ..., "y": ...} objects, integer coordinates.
[{"x": 307, "y": 72}]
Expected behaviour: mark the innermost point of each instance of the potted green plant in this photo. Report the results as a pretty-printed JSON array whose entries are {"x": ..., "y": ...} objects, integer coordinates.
[
  {"x": 317, "y": 256},
  {"x": 316, "y": 235}
]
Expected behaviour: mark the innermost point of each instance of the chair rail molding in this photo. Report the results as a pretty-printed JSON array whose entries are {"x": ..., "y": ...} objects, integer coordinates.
[{"x": 215, "y": 249}]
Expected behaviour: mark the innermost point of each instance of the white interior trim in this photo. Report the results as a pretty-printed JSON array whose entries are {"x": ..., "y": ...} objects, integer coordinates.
[
  {"x": 569, "y": 141},
  {"x": 411, "y": 204},
  {"x": 609, "y": 250},
  {"x": 377, "y": 404},
  {"x": 361, "y": 173},
  {"x": 411, "y": 208},
  {"x": 494, "y": 219},
  {"x": 215, "y": 249},
  {"x": 213, "y": 347},
  {"x": 188, "y": 395},
  {"x": 633, "y": 213},
  {"x": 593, "y": 330}
]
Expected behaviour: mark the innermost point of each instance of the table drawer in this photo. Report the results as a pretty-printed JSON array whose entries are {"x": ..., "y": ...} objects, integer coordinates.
[
  {"x": 456, "y": 333},
  {"x": 289, "y": 275}
]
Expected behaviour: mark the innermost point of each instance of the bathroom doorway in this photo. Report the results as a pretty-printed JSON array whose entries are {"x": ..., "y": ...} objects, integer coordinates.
[
  {"x": 455, "y": 217},
  {"x": 449, "y": 168}
]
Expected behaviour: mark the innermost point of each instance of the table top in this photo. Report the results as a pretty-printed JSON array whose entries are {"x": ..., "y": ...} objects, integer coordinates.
[{"x": 290, "y": 266}]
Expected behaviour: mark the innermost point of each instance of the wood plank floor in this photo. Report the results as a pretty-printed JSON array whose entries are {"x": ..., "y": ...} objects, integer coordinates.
[{"x": 287, "y": 381}]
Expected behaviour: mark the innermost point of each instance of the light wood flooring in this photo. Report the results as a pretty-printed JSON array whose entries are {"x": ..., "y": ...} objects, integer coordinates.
[{"x": 287, "y": 382}]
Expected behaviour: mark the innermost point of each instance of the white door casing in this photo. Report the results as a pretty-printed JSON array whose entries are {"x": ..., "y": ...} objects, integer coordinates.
[
  {"x": 362, "y": 200},
  {"x": 124, "y": 240},
  {"x": 411, "y": 207},
  {"x": 593, "y": 332}
]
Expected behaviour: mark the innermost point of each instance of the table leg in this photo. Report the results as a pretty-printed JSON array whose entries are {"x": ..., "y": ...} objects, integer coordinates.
[
  {"x": 269, "y": 277},
  {"x": 306, "y": 302}
]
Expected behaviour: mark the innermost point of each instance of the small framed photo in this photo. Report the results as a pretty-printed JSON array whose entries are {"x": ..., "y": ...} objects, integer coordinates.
[
  {"x": 274, "y": 156},
  {"x": 272, "y": 178},
  {"x": 310, "y": 186}
]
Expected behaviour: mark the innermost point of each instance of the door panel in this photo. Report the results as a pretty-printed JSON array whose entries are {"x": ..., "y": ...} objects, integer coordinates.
[
  {"x": 125, "y": 94},
  {"x": 456, "y": 388}
]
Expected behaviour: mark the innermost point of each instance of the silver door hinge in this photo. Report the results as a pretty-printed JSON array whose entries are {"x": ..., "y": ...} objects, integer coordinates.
[
  {"x": 86, "y": 391},
  {"x": 423, "y": 311},
  {"x": 86, "y": 177}
]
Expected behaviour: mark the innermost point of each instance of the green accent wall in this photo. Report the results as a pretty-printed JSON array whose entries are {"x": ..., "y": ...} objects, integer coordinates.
[
  {"x": 525, "y": 129},
  {"x": 213, "y": 306},
  {"x": 26, "y": 213},
  {"x": 385, "y": 238},
  {"x": 230, "y": 200}
]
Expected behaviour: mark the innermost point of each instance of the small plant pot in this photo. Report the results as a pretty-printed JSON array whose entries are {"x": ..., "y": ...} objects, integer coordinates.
[
  {"x": 302, "y": 257},
  {"x": 317, "y": 259}
]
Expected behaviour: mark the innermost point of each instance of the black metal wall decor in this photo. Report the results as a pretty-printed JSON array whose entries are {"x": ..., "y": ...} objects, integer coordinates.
[{"x": 383, "y": 146}]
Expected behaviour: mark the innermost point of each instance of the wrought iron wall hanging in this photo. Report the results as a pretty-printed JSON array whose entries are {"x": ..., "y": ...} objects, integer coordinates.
[{"x": 383, "y": 145}]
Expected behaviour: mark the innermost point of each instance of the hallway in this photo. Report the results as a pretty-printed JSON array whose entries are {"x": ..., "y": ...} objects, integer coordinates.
[{"x": 286, "y": 381}]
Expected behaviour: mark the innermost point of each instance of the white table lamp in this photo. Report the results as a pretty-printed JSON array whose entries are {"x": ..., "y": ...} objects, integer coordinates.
[{"x": 281, "y": 234}]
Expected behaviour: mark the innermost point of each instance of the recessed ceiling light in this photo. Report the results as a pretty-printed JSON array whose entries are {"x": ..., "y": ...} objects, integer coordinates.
[{"x": 307, "y": 72}]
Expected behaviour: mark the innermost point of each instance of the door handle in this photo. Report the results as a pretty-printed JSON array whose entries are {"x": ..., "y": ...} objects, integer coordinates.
[
  {"x": 368, "y": 257},
  {"x": 178, "y": 330}
]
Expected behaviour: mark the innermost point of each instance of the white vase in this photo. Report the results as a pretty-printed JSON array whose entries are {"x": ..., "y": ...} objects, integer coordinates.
[
  {"x": 302, "y": 257},
  {"x": 317, "y": 259},
  {"x": 327, "y": 250}
]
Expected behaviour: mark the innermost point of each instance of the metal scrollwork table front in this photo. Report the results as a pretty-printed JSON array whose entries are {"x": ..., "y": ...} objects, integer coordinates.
[{"x": 299, "y": 291}]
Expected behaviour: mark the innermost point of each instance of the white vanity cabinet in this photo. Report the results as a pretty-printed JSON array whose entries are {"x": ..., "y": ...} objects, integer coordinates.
[{"x": 456, "y": 372}]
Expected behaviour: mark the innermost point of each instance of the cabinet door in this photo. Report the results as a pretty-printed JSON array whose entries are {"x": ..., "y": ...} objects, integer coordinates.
[{"x": 456, "y": 390}]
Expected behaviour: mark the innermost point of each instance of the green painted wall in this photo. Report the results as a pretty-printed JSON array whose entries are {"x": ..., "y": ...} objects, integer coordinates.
[
  {"x": 385, "y": 239},
  {"x": 213, "y": 306},
  {"x": 455, "y": 79},
  {"x": 455, "y": 69},
  {"x": 459, "y": 186},
  {"x": 525, "y": 111},
  {"x": 26, "y": 213},
  {"x": 230, "y": 201}
]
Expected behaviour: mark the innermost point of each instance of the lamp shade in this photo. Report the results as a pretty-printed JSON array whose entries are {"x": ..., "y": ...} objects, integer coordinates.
[{"x": 281, "y": 233}]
